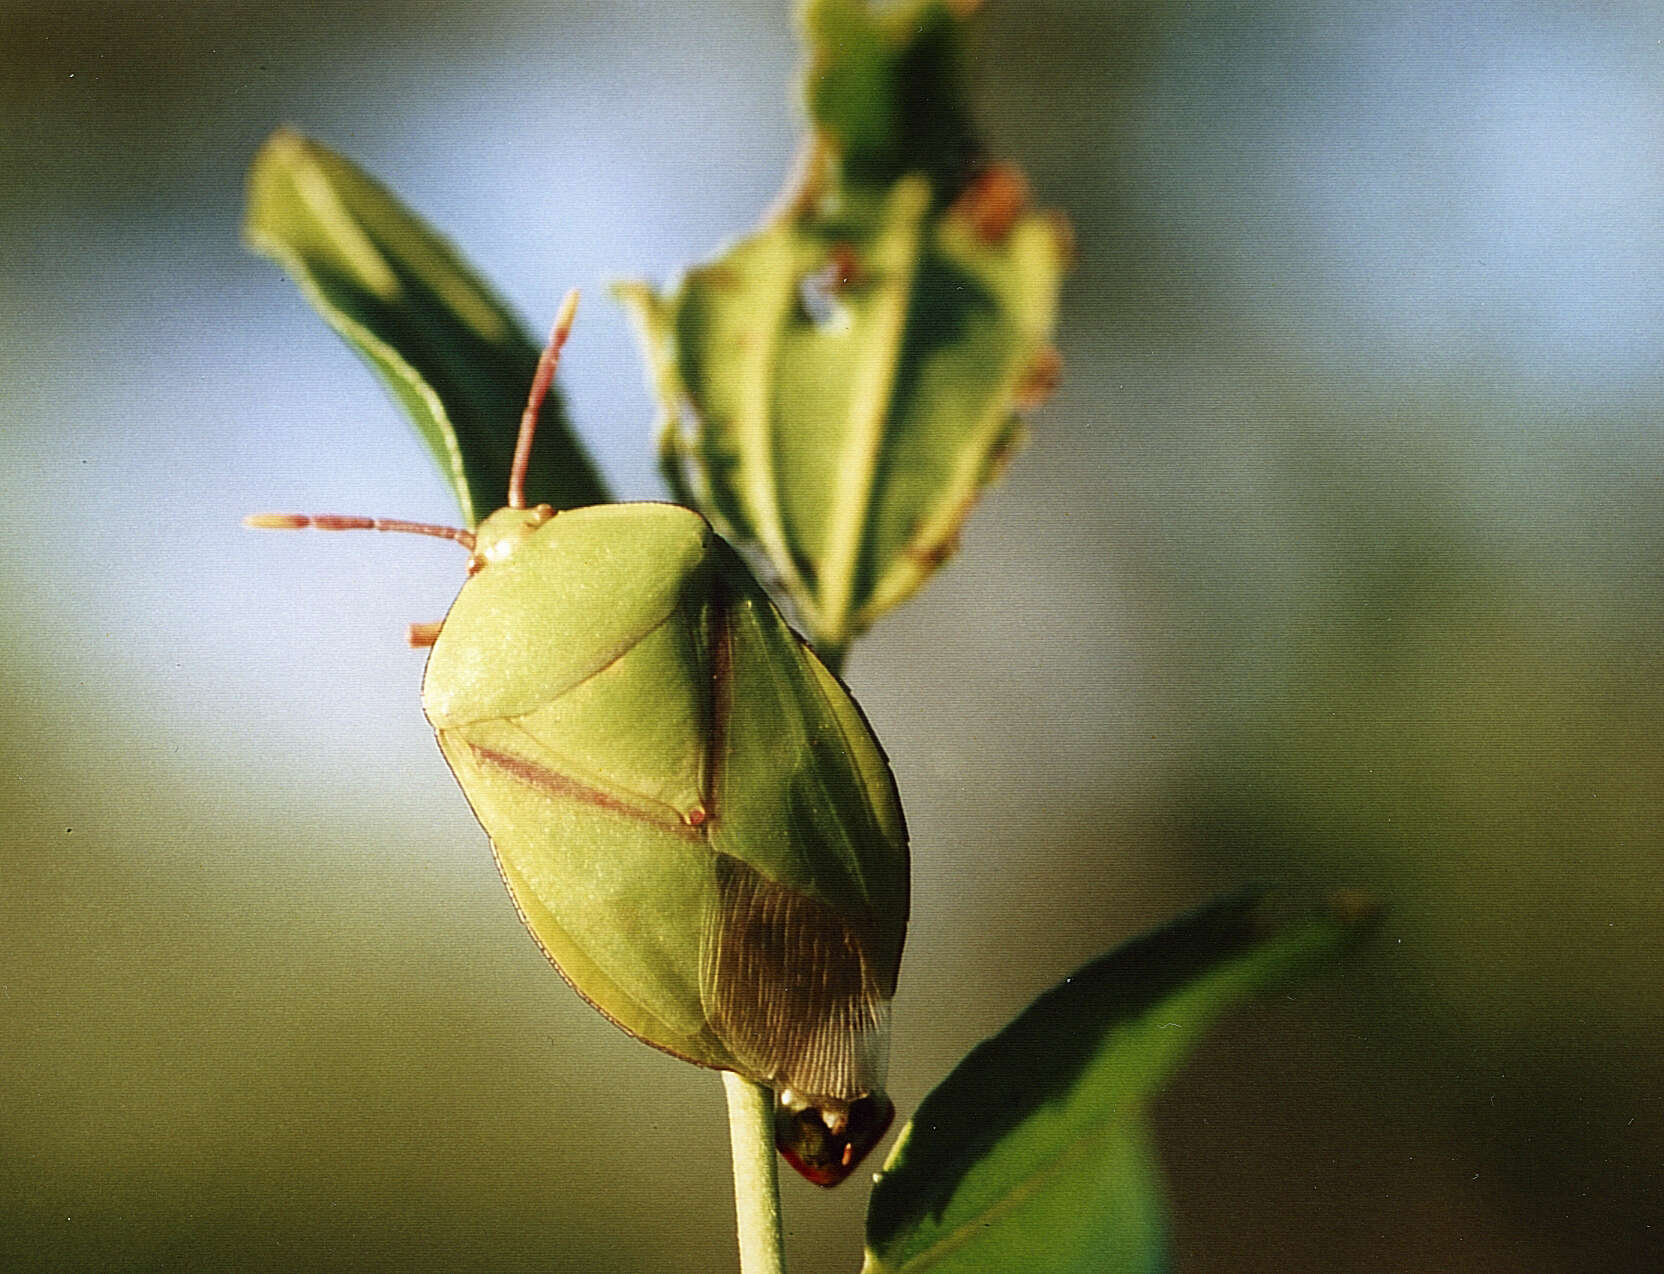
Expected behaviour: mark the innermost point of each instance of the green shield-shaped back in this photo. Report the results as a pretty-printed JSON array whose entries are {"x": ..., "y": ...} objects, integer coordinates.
[{"x": 690, "y": 812}]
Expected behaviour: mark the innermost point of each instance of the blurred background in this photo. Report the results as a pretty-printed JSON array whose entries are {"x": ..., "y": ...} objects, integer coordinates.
[{"x": 1336, "y": 559}]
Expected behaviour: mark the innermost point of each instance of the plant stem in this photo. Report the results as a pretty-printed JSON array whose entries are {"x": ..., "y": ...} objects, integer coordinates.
[{"x": 756, "y": 1180}]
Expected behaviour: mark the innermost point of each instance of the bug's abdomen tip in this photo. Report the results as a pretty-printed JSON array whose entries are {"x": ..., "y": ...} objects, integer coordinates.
[{"x": 807, "y": 1141}]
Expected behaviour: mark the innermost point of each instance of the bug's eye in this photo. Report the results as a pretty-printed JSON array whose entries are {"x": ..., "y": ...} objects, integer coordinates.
[{"x": 823, "y": 1151}]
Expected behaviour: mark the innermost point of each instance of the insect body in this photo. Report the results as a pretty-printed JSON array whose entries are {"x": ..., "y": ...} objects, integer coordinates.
[{"x": 689, "y": 811}]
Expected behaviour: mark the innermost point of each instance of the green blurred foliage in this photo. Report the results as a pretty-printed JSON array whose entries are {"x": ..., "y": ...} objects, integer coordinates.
[
  {"x": 887, "y": 90},
  {"x": 1034, "y": 1153}
]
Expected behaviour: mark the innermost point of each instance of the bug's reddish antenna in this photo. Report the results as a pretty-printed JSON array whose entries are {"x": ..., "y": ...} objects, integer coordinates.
[
  {"x": 336, "y": 522},
  {"x": 546, "y": 365}
]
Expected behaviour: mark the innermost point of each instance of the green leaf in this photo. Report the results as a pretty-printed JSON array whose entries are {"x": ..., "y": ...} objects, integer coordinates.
[
  {"x": 839, "y": 387},
  {"x": 447, "y": 349},
  {"x": 1033, "y": 1154},
  {"x": 887, "y": 91}
]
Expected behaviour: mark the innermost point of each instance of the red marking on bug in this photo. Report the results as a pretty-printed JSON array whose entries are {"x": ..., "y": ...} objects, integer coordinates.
[
  {"x": 565, "y": 786},
  {"x": 696, "y": 816}
]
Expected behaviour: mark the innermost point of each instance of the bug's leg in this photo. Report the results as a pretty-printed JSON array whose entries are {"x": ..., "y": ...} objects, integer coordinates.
[{"x": 421, "y": 635}]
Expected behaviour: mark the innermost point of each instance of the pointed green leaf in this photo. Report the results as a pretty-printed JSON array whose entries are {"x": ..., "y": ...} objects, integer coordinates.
[
  {"x": 446, "y": 348},
  {"x": 886, "y": 89},
  {"x": 840, "y": 386},
  {"x": 1033, "y": 1154}
]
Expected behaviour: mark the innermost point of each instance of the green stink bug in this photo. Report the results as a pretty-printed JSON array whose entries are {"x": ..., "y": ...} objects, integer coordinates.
[{"x": 691, "y": 815}]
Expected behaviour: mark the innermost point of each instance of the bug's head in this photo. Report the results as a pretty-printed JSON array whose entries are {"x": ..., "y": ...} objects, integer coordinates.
[
  {"x": 506, "y": 529},
  {"x": 498, "y": 535},
  {"x": 503, "y": 532},
  {"x": 827, "y": 1143}
]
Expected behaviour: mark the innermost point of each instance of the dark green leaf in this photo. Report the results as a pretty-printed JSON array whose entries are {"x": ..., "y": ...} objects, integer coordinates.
[
  {"x": 447, "y": 349},
  {"x": 887, "y": 92},
  {"x": 838, "y": 388},
  {"x": 1033, "y": 1154},
  {"x": 853, "y": 381}
]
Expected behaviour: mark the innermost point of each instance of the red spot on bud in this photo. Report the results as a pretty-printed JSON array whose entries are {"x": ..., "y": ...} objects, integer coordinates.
[
  {"x": 843, "y": 268},
  {"x": 993, "y": 202},
  {"x": 1039, "y": 379}
]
